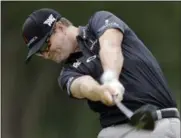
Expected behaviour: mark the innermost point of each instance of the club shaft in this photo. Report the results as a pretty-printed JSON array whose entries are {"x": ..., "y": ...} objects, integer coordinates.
[{"x": 123, "y": 108}]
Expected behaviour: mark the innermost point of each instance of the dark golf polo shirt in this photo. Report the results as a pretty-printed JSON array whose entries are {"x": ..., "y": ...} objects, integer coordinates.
[{"x": 141, "y": 75}]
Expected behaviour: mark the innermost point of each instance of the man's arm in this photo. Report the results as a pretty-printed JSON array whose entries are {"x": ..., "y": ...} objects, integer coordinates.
[
  {"x": 81, "y": 86},
  {"x": 109, "y": 29},
  {"x": 87, "y": 87},
  {"x": 110, "y": 51}
]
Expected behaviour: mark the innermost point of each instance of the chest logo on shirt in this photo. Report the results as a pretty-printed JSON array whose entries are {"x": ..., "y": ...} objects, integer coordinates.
[
  {"x": 91, "y": 58},
  {"x": 76, "y": 64}
]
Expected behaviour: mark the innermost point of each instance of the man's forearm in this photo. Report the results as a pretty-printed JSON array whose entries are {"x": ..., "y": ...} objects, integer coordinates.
[
  {"x": 110, "y": 51},
  {"x": 85, "y": 87},
  {"x": 111, "y": 58}
]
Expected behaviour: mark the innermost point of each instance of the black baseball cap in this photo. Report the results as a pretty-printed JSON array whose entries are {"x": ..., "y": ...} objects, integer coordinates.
[{"x": 37, "y": 28}]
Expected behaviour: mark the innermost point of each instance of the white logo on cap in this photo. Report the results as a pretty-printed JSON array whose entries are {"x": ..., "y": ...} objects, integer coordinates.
[{"x": 49, "y": 20}]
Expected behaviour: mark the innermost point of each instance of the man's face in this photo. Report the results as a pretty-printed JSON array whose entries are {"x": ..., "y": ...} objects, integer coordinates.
[{"x": 59, "y": 46}]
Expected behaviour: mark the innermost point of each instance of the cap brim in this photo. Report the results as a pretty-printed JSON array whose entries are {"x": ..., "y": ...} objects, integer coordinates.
[{"x": 36, "y": 48}]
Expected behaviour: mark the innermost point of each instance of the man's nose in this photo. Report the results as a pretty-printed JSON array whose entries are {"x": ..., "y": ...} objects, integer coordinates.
[{"x": 44, "y": 55}]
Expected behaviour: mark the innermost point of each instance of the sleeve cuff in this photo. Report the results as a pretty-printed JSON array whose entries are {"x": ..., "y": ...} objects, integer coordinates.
[
  {"x": 102, "y": 30},
  {"x": 71, "y": 79}
]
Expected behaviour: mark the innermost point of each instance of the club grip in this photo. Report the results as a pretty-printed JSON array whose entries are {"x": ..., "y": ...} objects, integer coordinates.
[{"x": 122, "y": 107}]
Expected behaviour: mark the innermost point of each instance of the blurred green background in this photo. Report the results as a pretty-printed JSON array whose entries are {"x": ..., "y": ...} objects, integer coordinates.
[{"x": 33, "y": 106}]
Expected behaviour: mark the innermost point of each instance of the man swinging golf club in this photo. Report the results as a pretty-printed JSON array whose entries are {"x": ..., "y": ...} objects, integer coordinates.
[{"x": 107, "y": 64}]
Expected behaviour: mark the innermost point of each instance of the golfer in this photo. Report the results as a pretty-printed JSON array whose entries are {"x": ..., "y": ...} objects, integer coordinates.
[{"x": 102, "y": 59}]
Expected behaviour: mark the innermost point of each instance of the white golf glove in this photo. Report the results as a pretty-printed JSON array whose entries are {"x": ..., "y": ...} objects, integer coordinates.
[{"x": 109, "y": 78}]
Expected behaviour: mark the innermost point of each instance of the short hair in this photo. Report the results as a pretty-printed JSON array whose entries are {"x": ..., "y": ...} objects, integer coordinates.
[{"x": 65, "y": 22}]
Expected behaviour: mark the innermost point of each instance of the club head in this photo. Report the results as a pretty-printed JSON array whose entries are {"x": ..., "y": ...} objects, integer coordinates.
[{"x": 144, "y": 117}]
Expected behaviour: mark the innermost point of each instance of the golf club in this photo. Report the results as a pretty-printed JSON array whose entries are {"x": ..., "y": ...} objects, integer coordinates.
[
  {"x": 142, "y": 118},
  {"x": 122, "y": 107}
]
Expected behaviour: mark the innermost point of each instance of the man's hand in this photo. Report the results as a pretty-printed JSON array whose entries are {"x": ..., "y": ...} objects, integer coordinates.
[
  {"x": 108, "y": 90},
  {"x": 111, "y": 87}
]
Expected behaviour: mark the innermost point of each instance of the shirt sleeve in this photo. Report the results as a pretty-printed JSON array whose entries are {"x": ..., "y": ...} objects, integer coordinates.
[
  {"x": 103, "y": 20},
  {"x": 67, "y": 76}
]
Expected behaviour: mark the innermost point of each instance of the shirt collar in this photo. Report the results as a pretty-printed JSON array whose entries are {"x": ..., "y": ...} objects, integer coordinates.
[{"x": 73, "y": 57}]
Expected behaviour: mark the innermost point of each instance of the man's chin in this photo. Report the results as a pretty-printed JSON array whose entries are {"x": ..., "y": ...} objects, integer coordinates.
[{"x": 59, "y": 61}]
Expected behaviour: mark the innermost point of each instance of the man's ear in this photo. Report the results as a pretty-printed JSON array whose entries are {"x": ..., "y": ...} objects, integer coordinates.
[{"x": 60, "y": 26}]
